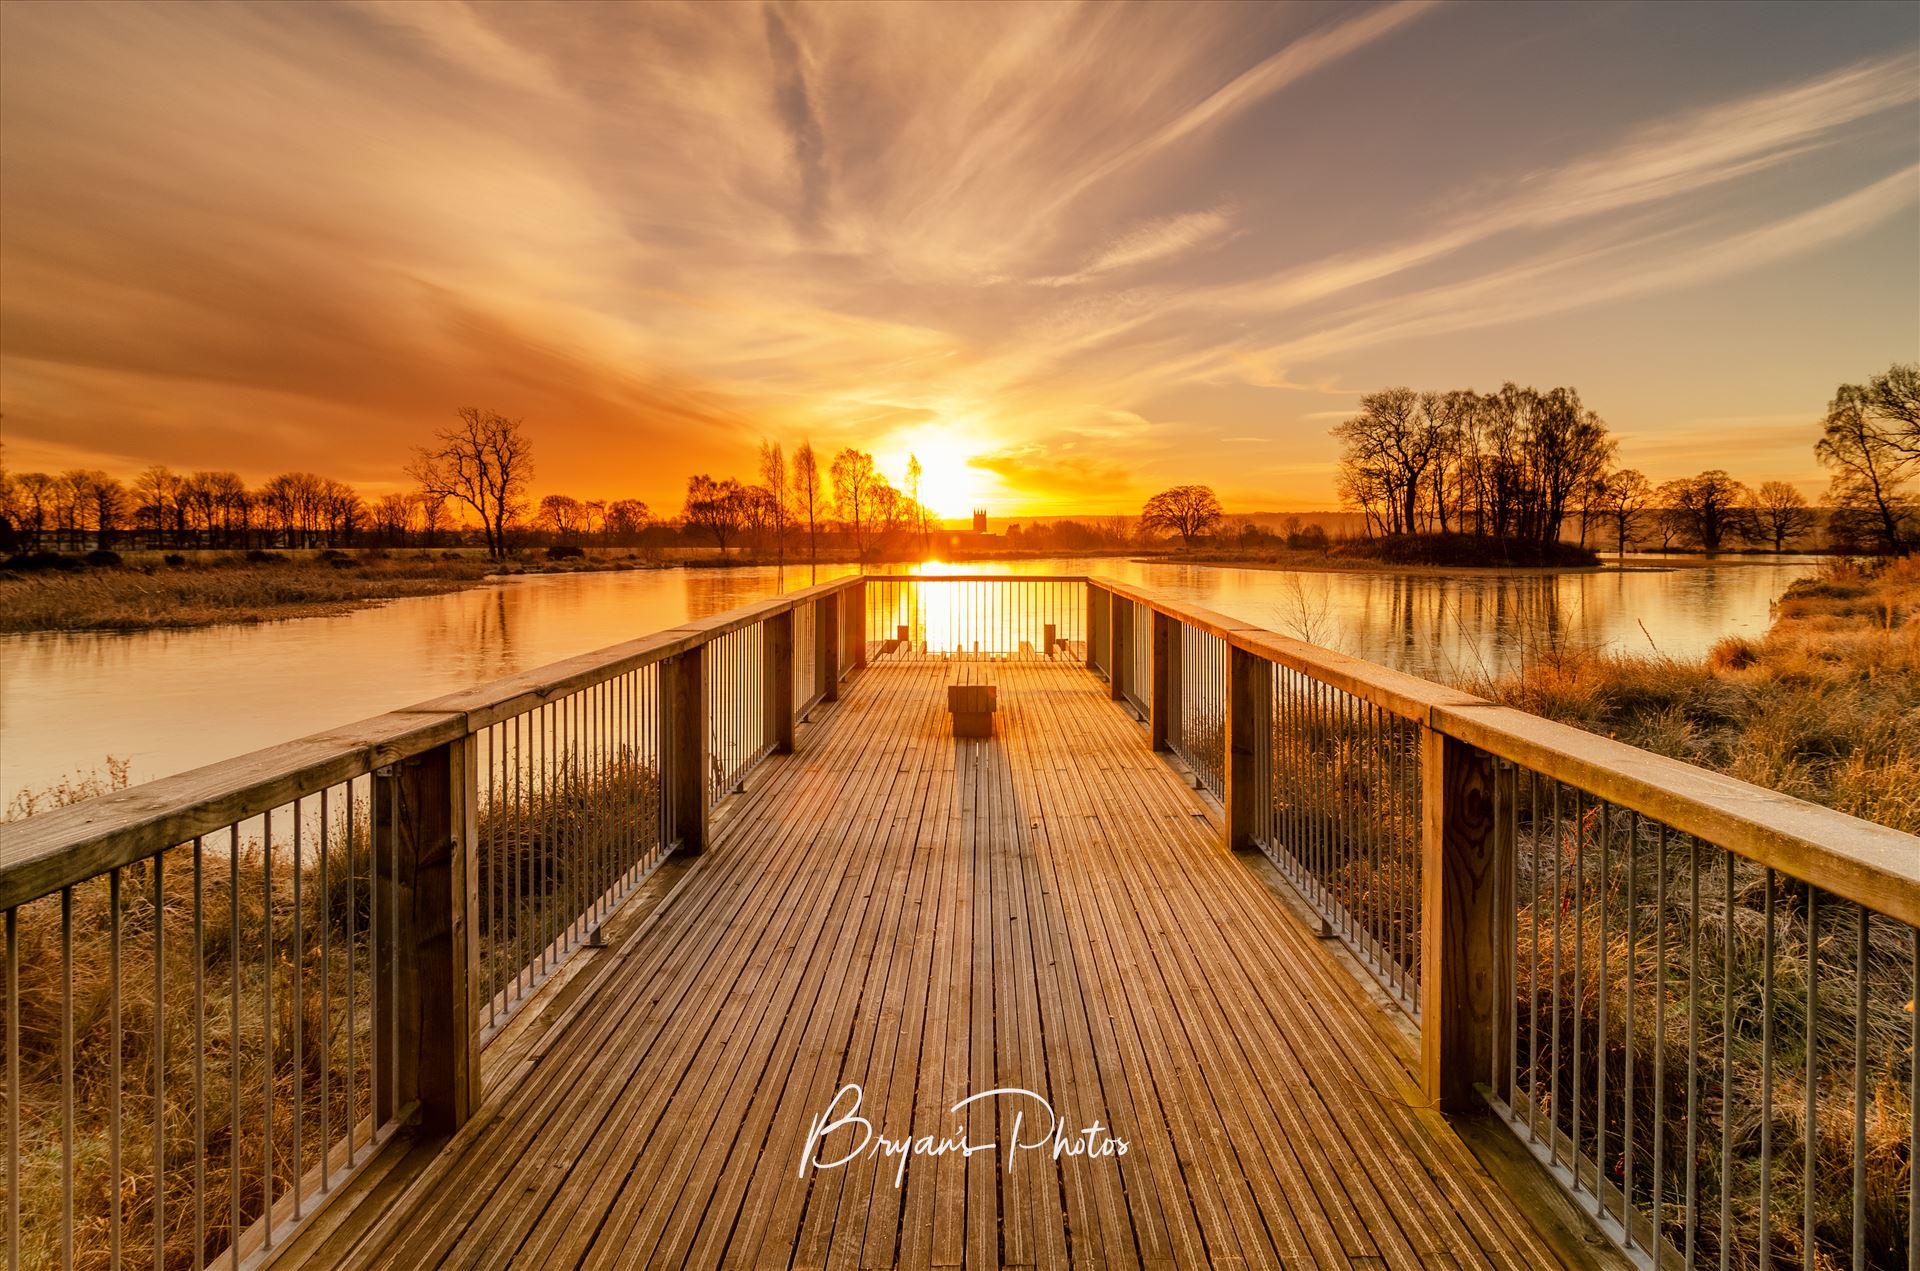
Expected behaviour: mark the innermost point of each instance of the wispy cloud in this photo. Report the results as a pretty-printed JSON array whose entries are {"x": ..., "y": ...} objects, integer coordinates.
[
  {"x": 1661, "y": 161},
  {"x": 1093, "y": 239},
  {"x": 1157, "y": 240}
]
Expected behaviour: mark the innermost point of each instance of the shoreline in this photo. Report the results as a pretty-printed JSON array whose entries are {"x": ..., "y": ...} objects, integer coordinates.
[{"x": 232, "y": 590}]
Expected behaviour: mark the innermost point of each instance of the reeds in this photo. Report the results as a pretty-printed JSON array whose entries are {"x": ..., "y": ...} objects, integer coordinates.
[{"x": 232, "y": 590}]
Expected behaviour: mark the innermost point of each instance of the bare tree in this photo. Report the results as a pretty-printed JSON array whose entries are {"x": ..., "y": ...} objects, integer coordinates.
[
  {"x": 157, "y": 491},
  {"x": 1186, "y": 510},
  {"x": 773, "y": 475},
  {"x": 1622, "y": 497},
  {"x": 1705, "y": 508},
  {"x": 717, "y": 508},
  {"x": 1870, "y": 442},
  {"x": 853, "y": 483},
  {"x": 919, "y": 509},
  {"x": 1390, "y": 446},
  {"x": 627, "y": 520},
  {"x": 109, "y": 507},
  {"x": 1778, "y": 512},
  {"x": 35, "y": 503},
  {"x": 484, "y": 461},
  {"x": 806, "y": 497},
  {"x": 562, "y": 516}
]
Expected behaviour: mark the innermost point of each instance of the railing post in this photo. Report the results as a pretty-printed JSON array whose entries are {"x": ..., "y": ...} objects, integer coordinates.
[
  {"x": 826, "y": 626},
  {"x": 426, "y": 1018},
  {"x": 1119, "y": 637},
  {"x": 853, "y": 603},
  {"x": 683, "y": 732},
  {"x": 1164, "y": 698},
  {"x": 778, "y": 687},
  {"x": 1098, "y": 601},
  {"x": 1249, "y": 742},
  {"x": 1466, "y": 922}
]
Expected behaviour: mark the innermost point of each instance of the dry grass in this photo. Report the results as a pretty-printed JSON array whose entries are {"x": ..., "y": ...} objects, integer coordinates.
[
  {"x": 223, "y": 590},
  {"x": 246, "y": 952},
  {"x": 1825, "y": 706}
]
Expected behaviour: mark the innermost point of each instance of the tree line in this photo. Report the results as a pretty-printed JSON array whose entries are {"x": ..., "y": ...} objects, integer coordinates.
[{"x": 1527, "y": 464}]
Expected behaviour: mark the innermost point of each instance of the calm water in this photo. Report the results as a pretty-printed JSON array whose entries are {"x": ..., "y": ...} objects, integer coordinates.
[{"x": 167, "y": 701}]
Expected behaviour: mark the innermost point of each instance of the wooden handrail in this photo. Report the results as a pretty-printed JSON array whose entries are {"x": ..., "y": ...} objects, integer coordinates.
[
  {"x": 1870, "y": 864},
  {"x": 67, "y": 846}
]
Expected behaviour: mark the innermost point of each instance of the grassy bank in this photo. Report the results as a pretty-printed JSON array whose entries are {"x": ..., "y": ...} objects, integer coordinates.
[
  {"x": 1825, "y": 706},
  {"x": 142, "y": 595}
]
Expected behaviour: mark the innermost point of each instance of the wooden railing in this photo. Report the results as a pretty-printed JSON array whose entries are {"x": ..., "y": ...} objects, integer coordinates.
[
  {"x": 236, "y": 983},
  {"x": 239, "y": 981},
  {"x": 1632, "y": 960}
]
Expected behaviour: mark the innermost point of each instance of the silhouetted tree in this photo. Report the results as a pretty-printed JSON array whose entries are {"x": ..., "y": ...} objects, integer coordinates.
[
  {"x": 627, "y": 520},
  {"x": 484, "y": 461},
  {"x": 1622, "y": 497},
  {"x": 716, "y": 508},
  {"x": 1187, "y": 510},
  {"x": 806, "y": 496},
  {"x": 1778, "y": 512},
  {"x": 1872, "y": 443},
  {"x": 854, "y": 479},
  {"x": 1705, "y": 509}
]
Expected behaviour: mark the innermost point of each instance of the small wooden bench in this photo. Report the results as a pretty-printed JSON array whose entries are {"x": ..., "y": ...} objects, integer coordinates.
[{"x": 972, "y": 704}]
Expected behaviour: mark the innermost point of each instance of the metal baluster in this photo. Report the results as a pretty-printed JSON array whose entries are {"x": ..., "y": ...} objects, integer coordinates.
[
  {"x": 13, "y": 1090},
  {"x": 1766, "y": 1083},
  {"x": 66, "y": 1078},
  {"x": 1656, "y": 1241},
  {"x": 1860, "y": 1097},
  {"x": 117, "y": 1185},
  {"x": 1533, "y": 975},
  {"x": 234, "y": 1177},
  {"x": 199, "y": 1052},
  {"x": 1693, "y": 1048},
  {"x": 1579, "y": 972},
  {"x": 298, "y": 964},
  {"x": 159, "y": 1062},
  {"x": 1559, "y": 898},
  {"x": 353, "y": 988},
  {"x": 1604, "y": 895},
  {"x": 1726, "y": 1079},
  {"x": 1809, "y": 1184},
  {"x": 266, "y": 1025},
  {"x": 326, "y": 997}
]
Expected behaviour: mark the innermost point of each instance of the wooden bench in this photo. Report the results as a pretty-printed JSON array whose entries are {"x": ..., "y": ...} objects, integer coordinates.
[{"x": 972, "y": 704}]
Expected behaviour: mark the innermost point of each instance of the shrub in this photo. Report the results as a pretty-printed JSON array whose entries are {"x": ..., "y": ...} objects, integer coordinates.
[
  {"x": 103, "y": 558},
  {"x": 1732, "y": 653},
  {"x": 35, "y": 562},
  {"x": 259, "y": 557},
  {"x": 1465, "y": 549}
]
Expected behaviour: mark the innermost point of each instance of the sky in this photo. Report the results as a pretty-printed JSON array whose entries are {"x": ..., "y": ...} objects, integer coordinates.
[{"x": 1065, "y": 254}]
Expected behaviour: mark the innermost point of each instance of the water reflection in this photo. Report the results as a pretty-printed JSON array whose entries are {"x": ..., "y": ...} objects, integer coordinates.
[{"x": 172, "y": 700}]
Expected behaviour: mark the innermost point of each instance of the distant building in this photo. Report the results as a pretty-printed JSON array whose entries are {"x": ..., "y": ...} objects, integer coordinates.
[{"x": 979, "y": 520}]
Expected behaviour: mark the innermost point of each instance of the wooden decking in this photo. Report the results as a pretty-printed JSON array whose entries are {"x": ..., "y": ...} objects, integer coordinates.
[{"x": 1048, "y": 909}]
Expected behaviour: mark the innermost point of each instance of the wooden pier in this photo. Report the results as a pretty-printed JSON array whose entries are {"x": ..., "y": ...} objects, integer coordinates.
[
  {"x": 718, "y": 948},
  {"x": 1050, "y": 909}
]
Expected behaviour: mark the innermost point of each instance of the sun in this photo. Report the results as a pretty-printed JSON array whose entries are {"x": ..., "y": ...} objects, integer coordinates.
[{"x": 950, "y": 486}]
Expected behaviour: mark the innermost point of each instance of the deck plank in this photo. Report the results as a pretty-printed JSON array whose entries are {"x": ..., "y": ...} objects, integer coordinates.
[{"x": 1049, "y": 909}]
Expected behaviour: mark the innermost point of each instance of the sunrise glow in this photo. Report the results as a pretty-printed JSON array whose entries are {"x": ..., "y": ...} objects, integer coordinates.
[{"x": 1068, "y": 255}]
